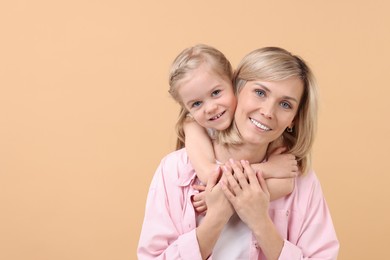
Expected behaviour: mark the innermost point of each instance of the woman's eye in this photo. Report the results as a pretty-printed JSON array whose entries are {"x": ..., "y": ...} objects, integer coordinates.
[
  {"x": 196, "y": 104},
  {"x": 215, "y": 93},
  {"x": 260, "y": 93},
  {"x": 285, "y": 105}
]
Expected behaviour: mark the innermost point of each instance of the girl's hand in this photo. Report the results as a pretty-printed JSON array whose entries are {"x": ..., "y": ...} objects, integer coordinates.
[
  {"x": 247, "y": 192},
  {"x": 199, "y": 200},
  {"x": 279, "y": 165}
]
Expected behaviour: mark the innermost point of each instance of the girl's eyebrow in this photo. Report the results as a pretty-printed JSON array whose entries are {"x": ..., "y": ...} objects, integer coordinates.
[{"x": 284, "y": 97}]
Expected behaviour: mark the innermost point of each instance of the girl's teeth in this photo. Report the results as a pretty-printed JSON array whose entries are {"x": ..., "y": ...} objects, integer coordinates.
[
  {"x": 259, "y": 125},
  {"x": 217, "y": 116}
]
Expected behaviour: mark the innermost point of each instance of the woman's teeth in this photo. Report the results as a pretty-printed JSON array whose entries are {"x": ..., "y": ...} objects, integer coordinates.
[{"x": 259, "y": 125}]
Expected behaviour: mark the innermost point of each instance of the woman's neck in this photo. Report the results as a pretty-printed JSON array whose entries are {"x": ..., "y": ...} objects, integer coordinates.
[{"x": 251, "y": 153}]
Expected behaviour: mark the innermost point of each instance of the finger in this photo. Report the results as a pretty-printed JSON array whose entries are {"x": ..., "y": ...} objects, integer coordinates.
[
  {"x": 200, "y": 209},
  {"x": 250, "y": 173},
  {"x": 239, "y": 174},
  {"x": 294, "y": 161},
  {"x": 197, "y": 197},
  {"x": 231, "y": 181},
  {"x": 228, "y": 194},
  {"x": 235, "y": 164},
  {"x": 198, "y": 203},
  {"x": 262, "y": 182},
  {"x": 199, "y": 187}
]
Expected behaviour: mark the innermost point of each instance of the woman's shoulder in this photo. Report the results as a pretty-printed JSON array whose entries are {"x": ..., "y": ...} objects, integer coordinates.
[
  {"x": 308, "y": 178},
  {"x": 308, "y": 186},
  {"x": 176, "y": 167},
  {"x": 176, "y": 158}
]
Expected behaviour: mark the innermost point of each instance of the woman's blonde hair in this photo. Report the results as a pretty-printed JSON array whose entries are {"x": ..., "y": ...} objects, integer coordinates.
[
  {"x": 275, "y": 64},
  {"x": 187, "y": 61}
]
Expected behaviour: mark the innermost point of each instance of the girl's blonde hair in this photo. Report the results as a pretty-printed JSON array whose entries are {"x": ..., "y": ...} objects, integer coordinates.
[
  {"x": 275, "y": 64},
  {"x": 187, "y": 61}
]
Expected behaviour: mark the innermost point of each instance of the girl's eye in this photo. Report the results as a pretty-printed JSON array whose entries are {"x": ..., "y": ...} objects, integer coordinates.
[
  {"x": 260, "y": 93},
  {"x": 215, "y": 93},
  {"x": 285, "y": 105},
  {"x": 196, "y": 104}
]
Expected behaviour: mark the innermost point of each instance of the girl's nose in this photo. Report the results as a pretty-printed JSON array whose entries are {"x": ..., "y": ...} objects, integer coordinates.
[{"x": 211, "y": 107}]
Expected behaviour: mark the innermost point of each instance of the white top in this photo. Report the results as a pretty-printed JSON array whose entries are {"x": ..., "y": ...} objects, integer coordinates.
[{"x": 234, "y": 241}]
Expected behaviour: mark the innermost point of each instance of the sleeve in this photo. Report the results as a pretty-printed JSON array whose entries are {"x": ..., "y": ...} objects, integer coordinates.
[
  {"x": 161, "y": 236},
  {"x": 314, "y": 236}
]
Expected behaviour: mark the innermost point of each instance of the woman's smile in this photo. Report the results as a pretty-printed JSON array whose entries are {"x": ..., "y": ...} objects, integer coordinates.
[{"x": 260, "y": 125}]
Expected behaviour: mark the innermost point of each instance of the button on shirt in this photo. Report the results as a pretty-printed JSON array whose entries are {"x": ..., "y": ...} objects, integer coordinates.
[{"x": 168, "y": 232}]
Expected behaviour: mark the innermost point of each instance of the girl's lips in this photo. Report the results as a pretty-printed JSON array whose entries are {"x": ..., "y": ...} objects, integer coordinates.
[
  {"x": 217, "y": 116},
  {"x": 260, "y": 125}
]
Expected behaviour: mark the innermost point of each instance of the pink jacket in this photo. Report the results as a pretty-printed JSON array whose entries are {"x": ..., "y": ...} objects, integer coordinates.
[{"x": 168, "y": 231}]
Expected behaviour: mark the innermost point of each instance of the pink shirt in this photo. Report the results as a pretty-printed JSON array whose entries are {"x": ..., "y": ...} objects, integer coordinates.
[{"x": 168, "y": 232}]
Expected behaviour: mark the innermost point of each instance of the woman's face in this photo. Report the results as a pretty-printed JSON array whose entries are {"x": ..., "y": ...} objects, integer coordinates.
[{"x": 265, "y": 109}]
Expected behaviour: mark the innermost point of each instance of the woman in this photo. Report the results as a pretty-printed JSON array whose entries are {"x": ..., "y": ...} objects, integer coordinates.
[{"x": 277, "y": 102}]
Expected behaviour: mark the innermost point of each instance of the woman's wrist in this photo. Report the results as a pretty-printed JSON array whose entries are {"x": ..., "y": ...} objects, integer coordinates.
[{"x": 268, "y": 238}]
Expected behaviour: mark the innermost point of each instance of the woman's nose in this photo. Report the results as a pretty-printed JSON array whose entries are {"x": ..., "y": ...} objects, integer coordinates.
[{"x": 267, "y": 110}]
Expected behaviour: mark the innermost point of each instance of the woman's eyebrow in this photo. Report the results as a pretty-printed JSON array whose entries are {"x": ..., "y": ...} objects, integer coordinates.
[
  {"x": 284, "y": 97},
  {"x": 261, "y": 85}
]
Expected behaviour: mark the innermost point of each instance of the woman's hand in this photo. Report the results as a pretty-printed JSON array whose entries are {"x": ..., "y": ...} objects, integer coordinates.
[
  {"x": 219, "y": 211},
  {"x": 247, "y": 192},
  {"x": 217, "y": 203}
]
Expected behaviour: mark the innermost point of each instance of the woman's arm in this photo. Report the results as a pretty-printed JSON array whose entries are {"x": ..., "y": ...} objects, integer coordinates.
[
  {"x": 250, "y": 198},
  {"x": 163, "y": 236},
  {"x": 218, "y": 214},
  {"x": 311, "y": 234},
  {"x": 200, "y": 150},
  {"x": 169, "y": 229}
]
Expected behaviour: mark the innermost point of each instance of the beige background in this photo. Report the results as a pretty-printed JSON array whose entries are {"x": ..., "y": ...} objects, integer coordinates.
[{"x": 85, "y": 116}]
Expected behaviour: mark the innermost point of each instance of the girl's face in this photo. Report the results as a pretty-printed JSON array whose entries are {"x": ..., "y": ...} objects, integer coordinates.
[
  {"x": 208, "y": 97},
  {"x": 266, "y": 109}
]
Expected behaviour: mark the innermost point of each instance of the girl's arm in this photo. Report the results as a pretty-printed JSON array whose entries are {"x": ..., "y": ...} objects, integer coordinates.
[
  {"x": 199, "y": 149},
  {"x": 279, "y": 172},
  {"x": 279, "y": 188}
]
